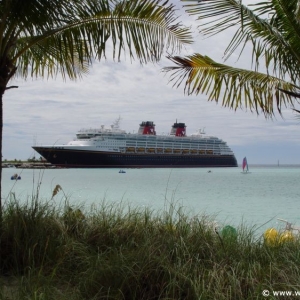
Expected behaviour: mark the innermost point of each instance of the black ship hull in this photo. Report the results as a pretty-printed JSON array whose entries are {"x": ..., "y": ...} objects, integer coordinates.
[{"x": 95, "y": 159}]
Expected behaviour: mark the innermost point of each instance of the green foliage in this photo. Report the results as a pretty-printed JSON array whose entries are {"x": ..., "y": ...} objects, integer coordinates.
[
  {"x": 271, "y": 29},
  {"x": 44, "y": 38},
  {"x": 116, "y": 252}
]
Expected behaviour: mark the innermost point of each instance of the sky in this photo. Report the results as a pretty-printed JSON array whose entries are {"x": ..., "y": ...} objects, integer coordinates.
[{"x": 45, "y": 111}]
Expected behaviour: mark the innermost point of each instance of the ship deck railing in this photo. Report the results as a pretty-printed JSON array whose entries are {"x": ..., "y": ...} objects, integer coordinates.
[{"x": 168, "y": 150}]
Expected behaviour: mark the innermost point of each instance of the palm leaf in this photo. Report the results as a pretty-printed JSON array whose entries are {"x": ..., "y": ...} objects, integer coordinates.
[
  {"x": 233, "y": 87},
  {"x": 67, "y": 38},
  {"x": 272, "y": 28}
]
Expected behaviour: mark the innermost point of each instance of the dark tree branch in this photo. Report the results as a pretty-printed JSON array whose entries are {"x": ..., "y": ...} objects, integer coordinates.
[
  {"x": 11, "y": 87},
  {"x": 297, "y": 95}
]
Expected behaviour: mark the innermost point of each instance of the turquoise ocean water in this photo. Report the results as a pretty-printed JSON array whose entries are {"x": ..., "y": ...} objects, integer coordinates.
[{"x": 267, "y": 193}]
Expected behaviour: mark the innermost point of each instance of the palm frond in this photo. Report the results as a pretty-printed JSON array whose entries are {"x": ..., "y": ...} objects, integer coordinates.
[
  {"x": 233, "y": 87},
  {"x": 47, "y": 37},
  {"x": 272, "y": 28}
]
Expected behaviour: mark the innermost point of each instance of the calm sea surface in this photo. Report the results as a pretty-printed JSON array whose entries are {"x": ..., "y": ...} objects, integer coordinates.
[{"x": 233, "y": 198}]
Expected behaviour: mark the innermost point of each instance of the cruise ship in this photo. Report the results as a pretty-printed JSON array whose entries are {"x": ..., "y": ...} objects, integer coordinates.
[{"x": 113, "y": 147}]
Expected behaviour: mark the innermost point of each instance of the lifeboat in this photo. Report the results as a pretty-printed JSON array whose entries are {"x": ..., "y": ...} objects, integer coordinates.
[
  {"x": 209, "y": 151},
  {"x": 177, "y": 151},
  {"x": 202, "y": 151},
  {"x": 141, "y": 149},
  {"x": 168, "y": 150},
  {"x": 151, "y": 150}
]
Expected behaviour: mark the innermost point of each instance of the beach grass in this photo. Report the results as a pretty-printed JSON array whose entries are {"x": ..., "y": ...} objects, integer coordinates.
[{"x": 114, "y": 251}]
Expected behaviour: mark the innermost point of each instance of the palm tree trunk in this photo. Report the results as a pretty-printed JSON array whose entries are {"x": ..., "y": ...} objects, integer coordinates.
[
  {"x": 1, "y": 131},
  {"x": 7, "y": 70}
]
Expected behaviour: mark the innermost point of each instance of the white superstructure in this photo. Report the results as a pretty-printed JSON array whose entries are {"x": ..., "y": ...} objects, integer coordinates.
[{"x": 114, "y": 139}]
